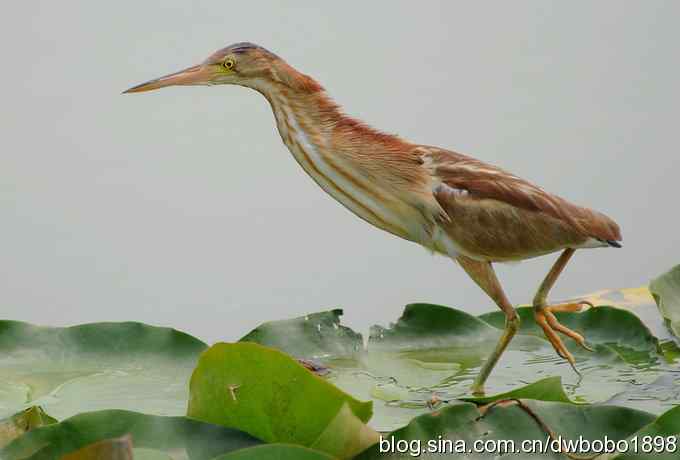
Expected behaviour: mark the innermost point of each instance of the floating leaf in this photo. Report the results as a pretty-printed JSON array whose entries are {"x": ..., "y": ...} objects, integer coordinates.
[
  {"x": 18, "y": 424},
  {"x": 623, "y": 298},
  {"x": 601, "y": 325},
  {"x": 312, "y": 336},
  {"x": 638, "y": 300},
  {"x": 95, "y": 366},
  {"x": 666, "y": 292},
  {"x": 432, "y": 354},
  {"x": 655, "y": 396},
  {"x": 425, "y": 325},
  {"x": 454, "y": 430},
  {"x": 627, "y": 355},
  {"x": 346, "y": 435},
  {"x": 108, "y": 449},
  {"x": 266, "y": 393},
  {"x": 182, "y": 436},
  {"x": 656, "y": 441},
  {"x": 548, "y": 389}
]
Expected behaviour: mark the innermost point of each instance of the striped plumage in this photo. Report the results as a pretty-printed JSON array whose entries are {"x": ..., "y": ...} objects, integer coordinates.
[
  {"x": 450, "y": 203},
  {"x": 425, "y": 194}
]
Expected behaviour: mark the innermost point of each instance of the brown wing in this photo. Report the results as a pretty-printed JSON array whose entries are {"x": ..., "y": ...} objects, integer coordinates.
[{"x": 482, "y": 180}]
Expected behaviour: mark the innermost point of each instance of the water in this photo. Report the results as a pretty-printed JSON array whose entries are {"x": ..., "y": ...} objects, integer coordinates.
[{"x": 401, "y": 390}]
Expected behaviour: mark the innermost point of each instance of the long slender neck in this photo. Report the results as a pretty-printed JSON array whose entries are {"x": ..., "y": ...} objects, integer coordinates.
[
  {"x": 363, "y": 169},
  {"x": 303, "y": 114},
  {"x": 311, "y": 119}
]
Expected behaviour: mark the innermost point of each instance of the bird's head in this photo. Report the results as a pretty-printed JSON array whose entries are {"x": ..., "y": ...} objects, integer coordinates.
[{"x": 244, "y": 64}]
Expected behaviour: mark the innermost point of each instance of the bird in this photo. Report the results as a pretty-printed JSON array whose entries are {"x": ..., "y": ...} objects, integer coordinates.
[{"x": 452, "y": 204}]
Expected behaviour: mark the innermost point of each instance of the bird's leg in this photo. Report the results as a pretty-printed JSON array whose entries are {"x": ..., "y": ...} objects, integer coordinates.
[
  {"x": 544, "y": 314},
  {"x": 484, "y": 275}
]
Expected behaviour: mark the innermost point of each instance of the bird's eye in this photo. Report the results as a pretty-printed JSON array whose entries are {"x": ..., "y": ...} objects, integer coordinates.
[{"x": 228, "y": 63}]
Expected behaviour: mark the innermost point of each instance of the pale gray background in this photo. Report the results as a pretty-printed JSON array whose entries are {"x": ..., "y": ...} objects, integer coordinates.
[{"x": 183, "y": 208}]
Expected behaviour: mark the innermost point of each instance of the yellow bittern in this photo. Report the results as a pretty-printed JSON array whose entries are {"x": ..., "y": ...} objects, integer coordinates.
[{"x": 452, "y": 204}]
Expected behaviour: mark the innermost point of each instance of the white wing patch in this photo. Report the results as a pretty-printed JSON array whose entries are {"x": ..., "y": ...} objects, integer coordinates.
[{"x": 449, "y": 191}]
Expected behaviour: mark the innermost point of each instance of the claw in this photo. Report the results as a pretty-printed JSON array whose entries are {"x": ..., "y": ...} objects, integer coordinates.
[
  {"x": 552, "y": 336},
  {"x": 575, "y": 369},
  {"x": 575, "y": 336},
  {"x": 546, "y": 319}
]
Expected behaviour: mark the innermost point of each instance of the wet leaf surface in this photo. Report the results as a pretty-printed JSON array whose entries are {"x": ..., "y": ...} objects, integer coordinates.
[
  {"x": 432, "y": 353},
  {"x": 95, "y": 366},
  {"x": 316, "y": 335}
]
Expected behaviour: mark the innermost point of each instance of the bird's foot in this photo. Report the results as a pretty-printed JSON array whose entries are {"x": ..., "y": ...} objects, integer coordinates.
[
  {"x": 544, "y": 316},
  {"x": 477, "y": 389}
]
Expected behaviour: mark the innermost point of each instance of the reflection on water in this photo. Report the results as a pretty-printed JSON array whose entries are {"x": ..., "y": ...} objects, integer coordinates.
[{"x": 404, "y": 384}]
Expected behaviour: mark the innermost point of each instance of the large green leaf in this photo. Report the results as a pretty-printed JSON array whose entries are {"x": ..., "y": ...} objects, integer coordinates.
[
  {"x": 95, "y": 366},
  {"x": 266, "y": 393},
  {"x": 465, "y": 423},
  {"x": 666, "y": 292},
  {"x": 424, "y": 326},
  {"x": 181, "y": 436},
  {"x": 432, "y": 354},
  {"x": 657, "y": 441},
  {"x": 316, "y": 335},
  {"x": 393, "y": 373}
]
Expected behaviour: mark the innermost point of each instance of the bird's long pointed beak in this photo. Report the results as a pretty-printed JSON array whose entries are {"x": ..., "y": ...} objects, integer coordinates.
[{"x": 196, "y": 75}]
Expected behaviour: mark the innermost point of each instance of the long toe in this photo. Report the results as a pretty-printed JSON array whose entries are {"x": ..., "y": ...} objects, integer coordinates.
[
  {"x": 557, "y": 326},
  {"x": 572, "y": 307},
  {"x": 541, "y": 319}
]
